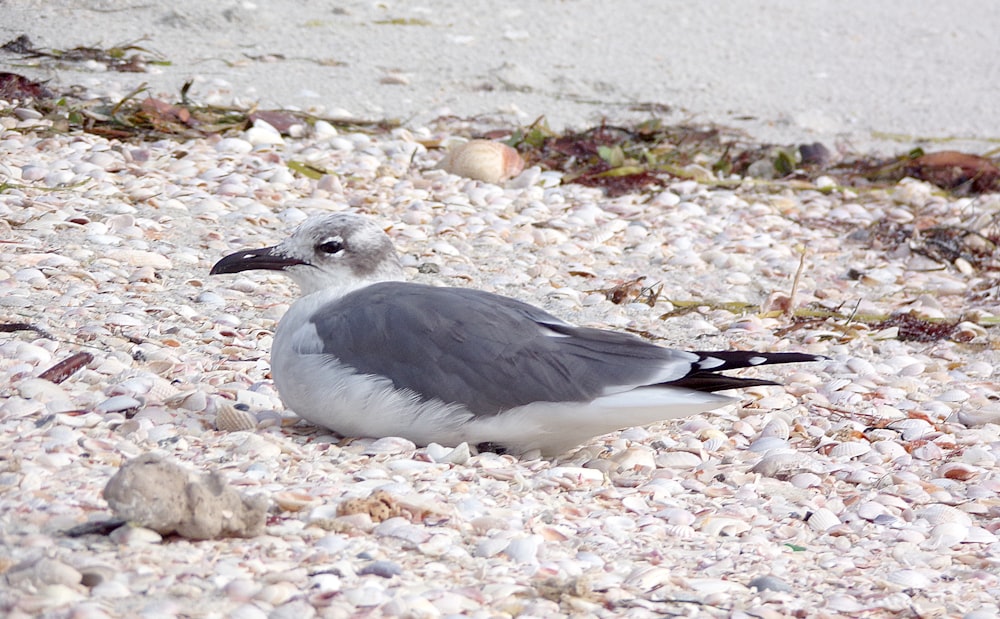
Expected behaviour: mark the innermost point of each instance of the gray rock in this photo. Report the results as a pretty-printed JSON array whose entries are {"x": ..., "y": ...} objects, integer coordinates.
[{"x": 162, "y": 496}]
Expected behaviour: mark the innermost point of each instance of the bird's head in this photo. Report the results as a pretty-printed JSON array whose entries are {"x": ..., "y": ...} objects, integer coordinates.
[{"x": 339, "y": 250}]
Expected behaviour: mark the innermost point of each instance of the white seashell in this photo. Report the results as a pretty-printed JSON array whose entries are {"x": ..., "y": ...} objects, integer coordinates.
[
  {"x": 41, "y": 390},
  {"x": 777, "y": 428},
  {"x": 871, "y": 510},
  {"x": 195, "y": 400},
  {"x": 277, "y": 593},
  {"x": 928, "y": 451},
  {"x": 946, "y": 535},
  {"x": 681, "y": 531},
  {"x": 890, "y": 450},
  {"x": 228, "y": 418},
  {"x": 390, "y": 445},
  {"x": 979, "y": 417},
  {"x": 721, "y": 525},
  {"x": 822, "y": 520},
  {"x": 483, "y": 160},
  {"x": 979, "y": 535},
  {"x": 912, "y": 429},
  {"x": 850, "y": 449},
  {"x": 263, "y": 133},
  {"x": 649, "y": 578},
  {"x": 715, "y": 444},
  {"x": 677, "y": 460},
  {"x": 805, "y": 480},
  {"x": 676, "y": 516},
  {"x": 294, "y": 501},
  {"x": 637, "y": 457},
  {"x": 939, "y": 513},
  {"x": 766, "y": 444},
  {"x": 911, "y": 579},
  {"x": 524, "y": 549},
  {"x": 713, "y": 586},
  {"x": 117, "y": 404}
]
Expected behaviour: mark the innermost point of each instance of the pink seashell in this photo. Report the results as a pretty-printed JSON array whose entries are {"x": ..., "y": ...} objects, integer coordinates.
[{"x": 483, "y": 160}]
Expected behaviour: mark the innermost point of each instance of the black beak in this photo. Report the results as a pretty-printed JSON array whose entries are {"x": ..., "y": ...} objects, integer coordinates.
[{"x": 264, "y": 258}]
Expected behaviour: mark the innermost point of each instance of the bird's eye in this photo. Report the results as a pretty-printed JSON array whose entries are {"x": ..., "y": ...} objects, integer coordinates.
[{"x": 331, "y": 246}]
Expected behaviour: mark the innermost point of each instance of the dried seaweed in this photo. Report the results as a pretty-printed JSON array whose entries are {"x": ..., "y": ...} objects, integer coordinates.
[
  {"x": 125, "y": 58},
  {"x": 17, "y": 87},
  {"x": 912, "y": 328},
  {"x": 139, "y": 116}
]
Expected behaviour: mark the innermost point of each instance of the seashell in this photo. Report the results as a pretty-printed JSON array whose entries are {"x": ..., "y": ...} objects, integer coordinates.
[
  {"x": 766, "y": 444},
  {"x": 680, "y": 531},
  {"x": 928, "y": 451},
  {"x": 677, "y": 460},
  {"x": 769, "y": 582},
  {"x": 524, "y": 549},
  {"x": 721, "y": 525},
  {"x": 41, "y": 390},
  {"x": 777, "y": 428},
  {"x": 939, "y": 513},
  {"x": 890, "y": 450},
  {"x": 389, "y": 445},
  {"x": 483, "y": 160},
  {"x": 957, "y": 470},
  {"x": 277, "y": 594},
  {"x": 637, "y": 457},
  {"x": 822, "y": 520},
  {"x": 979, "y": 535},
  {"x": 946, "y": 535},
  {"x": 291, "y": 501},
  {"x": 805, "y": 480},
  {"x": 118, "y": 404},
  {"x": 850, "y": 449},
  {"x": 871, "y": 510},
  {"x": 979, "y": 417},
  {"x": 912, "y": 429},
  {"x": 232, "y": 419},
  {"x": 194, "y": 400},
  {"x": 714, "y": 444},
  {"x": 911, "y": 579},
  {"x": 649, "y": 578}
]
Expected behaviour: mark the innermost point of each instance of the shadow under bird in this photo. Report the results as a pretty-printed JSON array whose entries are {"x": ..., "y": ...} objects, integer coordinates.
[{"x": 368, "y": 355}]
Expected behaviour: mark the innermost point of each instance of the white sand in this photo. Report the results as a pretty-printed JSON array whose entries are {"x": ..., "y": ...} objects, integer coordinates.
[{"x": 866, "y": 75}]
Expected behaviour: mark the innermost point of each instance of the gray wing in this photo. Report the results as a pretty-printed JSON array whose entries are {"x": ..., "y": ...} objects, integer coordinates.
[{"x": 485, "y": 351}]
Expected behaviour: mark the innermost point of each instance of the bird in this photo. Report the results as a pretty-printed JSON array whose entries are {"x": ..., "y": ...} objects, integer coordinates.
[{"x": 365, "y": 353}]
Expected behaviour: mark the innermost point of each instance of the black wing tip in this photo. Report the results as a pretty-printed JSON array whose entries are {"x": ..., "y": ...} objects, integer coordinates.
[
  {"x": 719, "y": 361},
  {"x": 706, "y": 372}
]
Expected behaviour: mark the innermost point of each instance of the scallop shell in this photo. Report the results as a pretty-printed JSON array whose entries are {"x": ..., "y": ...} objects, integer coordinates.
[
  {"x": 822, "y": 520},
  {"x": 939, "y": 513},
  {"x": 850, "y": 449},
  {"x": 946, "y": 535},
  {"x": 483, "y": 160},
  {"x": 232, "y": 419},
  {"x": 681, "y": 531},
  {"x": 777, "y": 428}
]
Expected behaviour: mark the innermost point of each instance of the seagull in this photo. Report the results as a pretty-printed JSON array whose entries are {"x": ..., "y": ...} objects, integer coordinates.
[{"x": 366, "y": 354}]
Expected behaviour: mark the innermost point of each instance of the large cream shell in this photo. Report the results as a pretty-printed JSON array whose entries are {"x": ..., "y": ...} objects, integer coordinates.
[{"x": 483, "y": 160}]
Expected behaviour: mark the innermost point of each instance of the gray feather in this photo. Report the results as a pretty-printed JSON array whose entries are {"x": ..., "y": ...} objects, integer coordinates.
[{"x": 485, "y": 351}]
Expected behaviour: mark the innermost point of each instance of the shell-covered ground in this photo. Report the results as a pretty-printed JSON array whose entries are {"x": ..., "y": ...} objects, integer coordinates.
[{"x": 867, "y": 486}]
